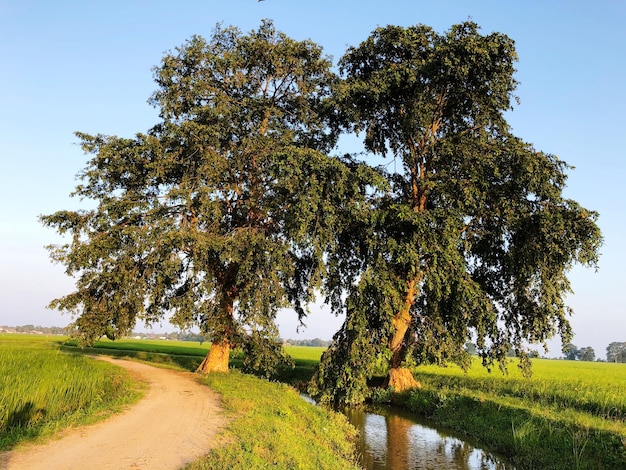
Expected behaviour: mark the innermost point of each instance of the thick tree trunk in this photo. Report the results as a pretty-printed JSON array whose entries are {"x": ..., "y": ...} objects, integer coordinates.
[
  {"x": 217, "y": 358},
  {"x": 401, "y": 378}
]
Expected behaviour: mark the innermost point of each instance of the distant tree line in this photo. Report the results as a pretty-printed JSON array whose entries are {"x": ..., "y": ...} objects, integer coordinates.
[
  {"x": 572, "y": 353},
  {"x": 615, "y": 352},
  {"x": 317, "y": 342},
  {"x": 177, "y": 335},
  {"x": 48, "y": 330}
]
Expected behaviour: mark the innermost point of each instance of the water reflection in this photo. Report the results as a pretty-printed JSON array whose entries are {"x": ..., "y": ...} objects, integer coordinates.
[{"x": 395, "y": 441}]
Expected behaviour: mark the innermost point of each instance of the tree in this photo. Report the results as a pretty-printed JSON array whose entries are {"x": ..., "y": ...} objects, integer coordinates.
[
  {"x": 571, "y": 351},
  {"x": 219, "y": 215},
  {"x": 474, "y": 238},
  {"x": 616, "y": 352},
  {"x": 587, "y": 354}
]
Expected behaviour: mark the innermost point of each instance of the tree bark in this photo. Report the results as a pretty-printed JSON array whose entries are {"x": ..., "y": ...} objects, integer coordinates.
[
  {"x": 216, "y": 359},
  {"x": 401, "y": 378}
]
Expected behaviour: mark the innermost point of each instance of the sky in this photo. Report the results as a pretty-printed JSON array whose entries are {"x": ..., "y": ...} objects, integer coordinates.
[{"x": 87, "y": 66}]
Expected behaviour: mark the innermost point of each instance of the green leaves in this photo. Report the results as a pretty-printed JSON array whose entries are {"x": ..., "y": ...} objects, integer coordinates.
[
  {"x": 230, "y": 207},
  {"x": 475, "y": 216},
  {"x": 220, "y": 214}
]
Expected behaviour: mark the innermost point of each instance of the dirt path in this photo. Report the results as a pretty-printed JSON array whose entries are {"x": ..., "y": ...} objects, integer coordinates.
[{"x": 175, "y": 423}]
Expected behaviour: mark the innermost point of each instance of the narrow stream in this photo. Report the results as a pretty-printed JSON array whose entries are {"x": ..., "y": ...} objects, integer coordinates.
[{"x": 396, "y": 440}]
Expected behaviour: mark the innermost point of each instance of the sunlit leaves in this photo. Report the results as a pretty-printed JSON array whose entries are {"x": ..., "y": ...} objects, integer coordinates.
[
  {"x": 474, "y": 214},
  {"x": 220, "y": 214}
]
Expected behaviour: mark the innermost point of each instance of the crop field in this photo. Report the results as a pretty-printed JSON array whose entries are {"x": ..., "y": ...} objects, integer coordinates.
[
  {"x": 43, "y": 389},
  {"x": 595, "y": 388},
  {"x": 188, "y": 348},
  {"x": 569, "y": 414}
]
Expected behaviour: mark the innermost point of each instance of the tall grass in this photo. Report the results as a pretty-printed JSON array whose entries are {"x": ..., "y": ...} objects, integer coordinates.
[
  {"x": 593, "y": 388},
  {"x": 43, "y": 389},
  {"x": 569, "y": 415}
]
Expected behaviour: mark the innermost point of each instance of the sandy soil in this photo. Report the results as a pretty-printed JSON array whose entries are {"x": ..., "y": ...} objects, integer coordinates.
[{"x": 175, "y": 423}]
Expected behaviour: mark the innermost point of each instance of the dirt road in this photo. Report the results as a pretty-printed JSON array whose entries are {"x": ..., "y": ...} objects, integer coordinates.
[{"x": 175, "y": 423}]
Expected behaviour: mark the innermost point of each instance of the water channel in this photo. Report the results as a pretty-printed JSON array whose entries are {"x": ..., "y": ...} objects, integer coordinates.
[{"x": 390, "y": 439}]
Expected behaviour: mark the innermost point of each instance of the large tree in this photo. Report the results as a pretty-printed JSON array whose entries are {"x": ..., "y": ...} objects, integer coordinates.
[
  {"x": 474, "y": 238},
  {"x": 219, "y": 215},
  {"x": 616, "y": 352},
  {"x": 587, "y": 354}
]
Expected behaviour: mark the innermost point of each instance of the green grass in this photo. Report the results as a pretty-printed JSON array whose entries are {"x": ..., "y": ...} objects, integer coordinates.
[
  {"x": 270, "y": 423},
  {"x": 43, "y": 389},
  {"x": 182, "y": 354},
  {"x": 590, "y": 387},
  {"x": 188, "y": 355},
  {"x": 568, "y": 415},
  {"x": 273, "y": 427},
  {"x": 184, "y": 348}
]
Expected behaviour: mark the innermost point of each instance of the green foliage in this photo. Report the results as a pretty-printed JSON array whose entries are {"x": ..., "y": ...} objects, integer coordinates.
[
  {"x": 616, "y": 352},
  {"x": 43, "y": 390},
  {"x": 219, "y": 214},
  {"x": 571, "y": 351},
  {"x": 473, "y": 235},
  {"x": 587, "y": 354},
  {"x": 380, "y": 396},
  {"x": 345, "y": 367},
  {"x": 273, "y": 426},
  {"x": 264, "y": 357}
]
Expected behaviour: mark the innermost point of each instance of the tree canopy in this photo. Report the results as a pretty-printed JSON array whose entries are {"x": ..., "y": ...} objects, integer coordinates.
[
  {"x": 474, "y": 238},
  {"x": 219, "y": 215},
  {"x": 616, "y": 352},
  {"x": 587, "y": 354},
  {"x": 232, "y": 206}
]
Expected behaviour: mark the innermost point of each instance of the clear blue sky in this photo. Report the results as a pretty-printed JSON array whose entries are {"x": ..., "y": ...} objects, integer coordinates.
[{"x": 86, "y": 66}]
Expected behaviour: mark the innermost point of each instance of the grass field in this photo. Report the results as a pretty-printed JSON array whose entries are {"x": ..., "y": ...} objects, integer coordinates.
[
  {"x": 569, "y": 415},
  {"x": 594, "y": 388},
  {"x": 43, "y": 390}
]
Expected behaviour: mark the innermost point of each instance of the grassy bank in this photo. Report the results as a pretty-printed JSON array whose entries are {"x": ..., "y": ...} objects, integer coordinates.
[
  {"x": 569, "y": 415},
  {"x": 274, "y": 427},
  {"x": 270, "y": 423},
  {"x": 43, "y": 390}
]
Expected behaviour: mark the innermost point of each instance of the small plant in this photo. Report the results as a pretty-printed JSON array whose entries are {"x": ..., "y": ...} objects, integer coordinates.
[
  {"x": 380, "y": 396},
  {"x": 524, "y": 435},
  {"x": 580, "y": 439}
]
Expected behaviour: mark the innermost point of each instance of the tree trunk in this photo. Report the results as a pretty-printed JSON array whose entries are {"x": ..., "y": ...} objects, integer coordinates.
[
  {"x": 401, "y": 378},
  {"x": 216, "y": 359}
]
